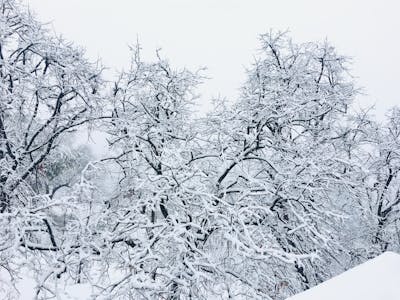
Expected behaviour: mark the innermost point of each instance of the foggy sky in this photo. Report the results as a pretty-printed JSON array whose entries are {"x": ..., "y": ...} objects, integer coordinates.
[{"x": 223, "y": 35}]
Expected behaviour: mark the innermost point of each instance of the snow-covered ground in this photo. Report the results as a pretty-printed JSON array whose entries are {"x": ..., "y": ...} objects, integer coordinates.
[
  {"x": 377, "y": 279},
  {"x": 25, "y": 289}
]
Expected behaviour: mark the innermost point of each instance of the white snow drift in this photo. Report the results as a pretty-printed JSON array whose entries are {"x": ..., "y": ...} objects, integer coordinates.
[{"x": 376, "y": 279}]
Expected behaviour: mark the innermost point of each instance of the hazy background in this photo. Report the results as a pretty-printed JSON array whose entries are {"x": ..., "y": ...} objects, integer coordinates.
[{"x": 223, "y": 35}]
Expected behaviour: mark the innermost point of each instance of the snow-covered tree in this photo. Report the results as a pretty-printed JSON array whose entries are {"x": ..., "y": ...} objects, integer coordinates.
[
  {"x": 263, "y": 197},
  {"x": 386, "y": 188},
  {"x": 152, "y": 137},
  {"x": 47, "y": 90},
  {"x": 380, "y": 201},
  {"x": 278, "y": 172}
]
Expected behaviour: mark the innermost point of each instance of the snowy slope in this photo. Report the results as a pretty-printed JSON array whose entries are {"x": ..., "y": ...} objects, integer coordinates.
[{"x": 376, "y": 279}]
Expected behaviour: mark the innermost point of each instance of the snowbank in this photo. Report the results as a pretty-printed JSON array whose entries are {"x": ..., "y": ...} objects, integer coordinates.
[{"x": 376, "y": 279}]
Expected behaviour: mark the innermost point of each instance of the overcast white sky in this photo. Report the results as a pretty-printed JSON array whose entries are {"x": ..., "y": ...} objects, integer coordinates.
[{"x": 222, "y": 35}]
